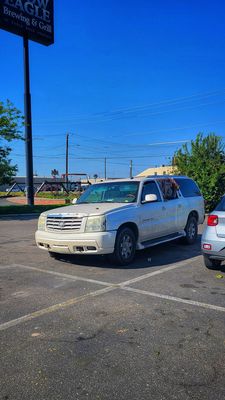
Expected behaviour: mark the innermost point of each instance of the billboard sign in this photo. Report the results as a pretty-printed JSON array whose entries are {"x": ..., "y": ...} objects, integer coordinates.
[{"x": 32, "y": 19}]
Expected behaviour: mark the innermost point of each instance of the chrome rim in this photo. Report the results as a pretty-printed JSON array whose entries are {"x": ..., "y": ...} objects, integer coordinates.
[{"x": 126, "y": 247}]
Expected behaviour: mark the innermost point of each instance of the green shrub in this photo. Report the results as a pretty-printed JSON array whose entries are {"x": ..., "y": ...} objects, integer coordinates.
[{"x": 25, "y": 209}]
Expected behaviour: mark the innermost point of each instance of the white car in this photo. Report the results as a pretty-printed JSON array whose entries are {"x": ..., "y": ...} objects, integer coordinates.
[
  {"x": 213, "y": 237},
  {"x": 121, "y": 216}
]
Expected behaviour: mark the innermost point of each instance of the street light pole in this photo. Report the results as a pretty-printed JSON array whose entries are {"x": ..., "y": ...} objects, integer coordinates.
[{"x": 28, "y": 126}]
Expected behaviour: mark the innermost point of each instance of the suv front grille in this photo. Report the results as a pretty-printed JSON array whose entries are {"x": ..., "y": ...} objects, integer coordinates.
[{"x": 62, "y": 223}]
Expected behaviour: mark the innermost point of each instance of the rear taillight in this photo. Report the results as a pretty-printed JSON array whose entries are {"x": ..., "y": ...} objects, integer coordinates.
[
  {"x": 207, "y": 246},
  {"x": 212, "y": 220}
]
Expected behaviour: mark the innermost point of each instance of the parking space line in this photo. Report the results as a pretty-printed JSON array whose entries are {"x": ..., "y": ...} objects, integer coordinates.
[
  {"x": 109, "y": 287},
  {"x": 177, "y": 299},
  {"x": 54, "y": 308},
  {"x": 61, "y": 275},
  {"x": 160, "y": 271},
  {"x": 125, "y": 283}
]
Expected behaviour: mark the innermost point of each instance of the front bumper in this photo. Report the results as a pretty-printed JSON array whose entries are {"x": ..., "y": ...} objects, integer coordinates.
[{"x": 79, "y": 243}]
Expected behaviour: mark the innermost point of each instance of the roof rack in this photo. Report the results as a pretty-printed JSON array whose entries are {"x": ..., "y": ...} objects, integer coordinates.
[{"x": 165, "y": 176}]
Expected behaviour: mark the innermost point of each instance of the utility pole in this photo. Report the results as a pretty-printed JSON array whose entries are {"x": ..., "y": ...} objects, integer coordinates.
[
  {"x": 131, "y": 169},
  {"x": 28, "y": 126},
  {"x": 105, "y": 167},
  {"x": 67, "y": 158}
]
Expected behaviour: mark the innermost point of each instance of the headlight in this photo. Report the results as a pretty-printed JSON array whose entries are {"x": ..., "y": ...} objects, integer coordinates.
[
  {"x": 41, "y": 222},
  {"x": 95, "y": 224}
]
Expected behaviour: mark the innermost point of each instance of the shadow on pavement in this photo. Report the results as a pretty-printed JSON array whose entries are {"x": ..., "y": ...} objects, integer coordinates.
[{"x": 164, "y": 254}]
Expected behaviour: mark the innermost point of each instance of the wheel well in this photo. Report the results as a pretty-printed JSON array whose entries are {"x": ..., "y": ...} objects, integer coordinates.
[
  {"x": 194, "y": 214},
  {"x": 132, "y": 226}
]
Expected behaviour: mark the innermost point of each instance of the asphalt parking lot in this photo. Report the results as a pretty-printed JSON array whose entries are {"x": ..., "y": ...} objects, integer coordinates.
[{"x": 79, "y": 328}]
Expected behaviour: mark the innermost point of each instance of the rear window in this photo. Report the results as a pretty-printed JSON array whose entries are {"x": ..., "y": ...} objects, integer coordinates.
[
  {"x": 188, "y": 187},
  {"x": 221, "y": 205}
]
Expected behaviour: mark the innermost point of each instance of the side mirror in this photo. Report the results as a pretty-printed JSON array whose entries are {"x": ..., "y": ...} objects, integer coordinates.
[
  {"x": 74, "y": 200},
  {"x": 149, "y": 198}
]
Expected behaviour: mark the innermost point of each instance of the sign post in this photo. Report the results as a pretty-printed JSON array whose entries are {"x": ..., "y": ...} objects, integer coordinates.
[
  {"x": 28, "y": 125},
  {"x": 34, "y": 20}
]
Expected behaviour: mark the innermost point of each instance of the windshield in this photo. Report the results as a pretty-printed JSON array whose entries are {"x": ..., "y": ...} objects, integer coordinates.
[{"x": 118, "y": 192}]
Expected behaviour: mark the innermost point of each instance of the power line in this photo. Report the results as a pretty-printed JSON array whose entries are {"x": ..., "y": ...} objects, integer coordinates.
[
  {"x": 169, "y": 101},
  {"x": 101, "y": 139},
  {"x": 141, "y": 145},
  {"x": 146, "y": 114},
  {"x": 172, "y": 129},
  {"x": 124, "y": 110},
  {"x": 97, "y": 158}
]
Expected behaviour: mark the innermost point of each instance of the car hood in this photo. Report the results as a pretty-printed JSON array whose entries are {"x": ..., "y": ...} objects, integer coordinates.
[{"x": 84, "y": 210}]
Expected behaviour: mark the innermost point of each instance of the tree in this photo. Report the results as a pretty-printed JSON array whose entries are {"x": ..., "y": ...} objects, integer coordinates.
[
  {"x": 95, "y": 176},
  {"x": 204, "y": 161},
  {"x": 10, "y": 124}
]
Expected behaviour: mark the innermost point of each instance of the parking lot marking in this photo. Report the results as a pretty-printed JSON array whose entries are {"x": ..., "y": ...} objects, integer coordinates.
[
  {"x": 160, "y": 271},
  {"x": 67, "y": 276},
  {"x": 109, "y": 287},
  {"x": 55, "y": 307},
  {"x": 177, "y": 299},
  {"x": 122, "y": 284}
]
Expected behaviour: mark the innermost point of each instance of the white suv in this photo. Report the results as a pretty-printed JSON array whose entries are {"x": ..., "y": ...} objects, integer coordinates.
[{"x": 121, "y": 216}]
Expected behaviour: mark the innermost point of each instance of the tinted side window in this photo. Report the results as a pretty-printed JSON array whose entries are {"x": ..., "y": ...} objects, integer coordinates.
[
  {"x": 221, "y": 205},
  {"x": 188, "y": 187},
  {"x": 150, "y": 188}
]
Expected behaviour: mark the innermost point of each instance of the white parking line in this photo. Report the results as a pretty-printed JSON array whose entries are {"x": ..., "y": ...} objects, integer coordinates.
[
  {"x": 125, "y": 283},
  {"x": 109, "y": 287},
  {"x": 61, "y": 275},
  {"x": 6, "y": 266},
  {"x": 177, "y": 299},
  {"x": 160, "y": 271},
  {"x": 53, "y": 308}
]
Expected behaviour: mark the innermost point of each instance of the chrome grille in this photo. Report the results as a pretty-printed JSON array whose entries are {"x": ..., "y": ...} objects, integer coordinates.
[{"x": 62, "y": 223}]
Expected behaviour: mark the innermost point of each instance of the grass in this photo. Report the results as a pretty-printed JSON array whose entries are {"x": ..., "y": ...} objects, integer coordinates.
[
  {"x": 37, "y": 209},
  {"x": 13, "y": 194},
  {"x": 25, "y": 209},
  {"x": 45, "y": 195}
]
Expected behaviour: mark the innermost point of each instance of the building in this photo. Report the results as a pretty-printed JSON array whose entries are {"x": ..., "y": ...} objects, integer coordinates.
[{"x": 163, "y": 170}]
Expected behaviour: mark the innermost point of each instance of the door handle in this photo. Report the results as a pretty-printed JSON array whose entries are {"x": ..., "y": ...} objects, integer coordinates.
[
  {"x": 163, "y": 208},
  {"x": 179, "y": 205}
]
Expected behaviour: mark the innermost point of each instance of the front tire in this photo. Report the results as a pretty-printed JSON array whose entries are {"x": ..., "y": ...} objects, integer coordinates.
[
  {"x": 211, "y": 263},
  {"x": 125, "y": 247},
  {"x": 191, "y": 230}
]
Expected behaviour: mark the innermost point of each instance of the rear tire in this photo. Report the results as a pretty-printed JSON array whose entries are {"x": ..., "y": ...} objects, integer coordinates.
[
  {"x": 211, "y": 263},
  {"x": 125, "y": 247},
  {"x": 191, "y": 230}
]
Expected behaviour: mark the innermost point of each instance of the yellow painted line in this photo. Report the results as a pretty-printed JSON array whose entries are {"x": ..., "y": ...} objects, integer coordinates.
[{"x": 55, "y": 307}]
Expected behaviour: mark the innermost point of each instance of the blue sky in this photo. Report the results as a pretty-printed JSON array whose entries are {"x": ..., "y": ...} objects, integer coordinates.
[{"x": 121, "y": 77}]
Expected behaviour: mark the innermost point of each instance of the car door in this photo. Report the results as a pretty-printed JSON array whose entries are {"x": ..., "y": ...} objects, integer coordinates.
[
  {"x": 172, "y": 205},
  {"x": 150, "y": 213}
]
